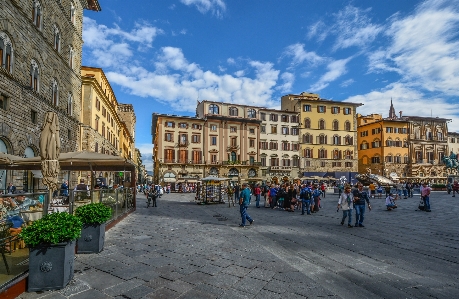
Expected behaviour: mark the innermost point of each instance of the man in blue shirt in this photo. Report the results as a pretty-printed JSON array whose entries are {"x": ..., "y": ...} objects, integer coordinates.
[
  {"x": 244, "y": 202},
  {"x": 305, "y": 196}
]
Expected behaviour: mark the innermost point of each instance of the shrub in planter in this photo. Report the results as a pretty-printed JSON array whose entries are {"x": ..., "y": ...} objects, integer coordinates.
[
  {"x": 51, "y": 242},
  {"x": 93, "y": 216}
]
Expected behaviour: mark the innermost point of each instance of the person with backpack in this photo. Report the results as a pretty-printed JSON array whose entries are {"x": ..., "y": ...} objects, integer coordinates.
[
  {"x": 305, "y": 197},
  {"x": 316, "y": 193},
  {"x": 273, "y": 196},
  {"x": 244, "y": 202}
]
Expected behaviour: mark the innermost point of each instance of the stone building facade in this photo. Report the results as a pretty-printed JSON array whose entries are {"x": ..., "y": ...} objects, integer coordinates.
[{"x": 40, "y": 45}]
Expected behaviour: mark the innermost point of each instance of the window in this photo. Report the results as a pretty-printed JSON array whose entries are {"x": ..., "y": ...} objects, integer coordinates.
[
  {"x": 252, "y": 131},
  {"x": 6, "y": 52},
  {"x": 348, "y": 164},
  {"x": 347, "y": 126},
  {"x": 34, "y": 76},
  {"x": 322, "y": 153},
  {"x": 274, "y": 117},
  {"x": 322, "y": 139},
  {"x": 233, "y": 129},
  {"x": 251, "y": 142},
  {"x": 284, "y": 118},
  {"x": 336, "y": 164},
  {"x": 36, "y": 14},
  {"x": 251, "y": 113},
  {"x": 335, "y": 110},
  {"x": 335, "y": 125},
  {"x": 274, "y": 161},
  {"x": 337, "y": 140},
  {"x": 169, "y": 124},
  {"x": 96, "y": 124},
  {"x": 296, "y": 161},
  {"x": 3, "y": 102},
  {"x": 70, "y": 105},
  {"x": 348, "y": 155},
  {"x": 213, "y": 159},
  {"x": 322, "y": 124},
  {"x": 233, "y": 111},
  {"x": 169, "y": 137},
  {"x": 234, "y": 141},
  {"x": 169, "y": 155},
  {"x": 323, "y": 164},
  {"x": 347, "y": 111},
  {"x": 56, "y": 39},
  {"x": 55, "y": 93},
  {"x": 375, "y": 159},
  {"x": 295, "y": 147},
  {"x": 262, "y": 116},
  {"x": 97, "y": 104},
  {"x": 389, "y": 159},
  {"x": 273, "y": 129},
  {"x": 453, "y": 140},
  {"x": 307, "y": 163},
  {"x": 376, "y": 131},
  {"x": 33, "y": 116},
  {"x": 285, "y": 146},
  {"x": 72, "y": 13},
  {"x": 363, "y": 133},
  {"x": 389, "y": 129},
  {"x": 321, "y": 109},
  {"x": 183, "y": 139},
  {"x": 348, "y": 140},
  {"x": 284, "y": 130},
  {"x": 294, "y": 119},
  {"x": 307, "y": 153},
  {"x": 273, "y": 145},
  {"x": 337, "y": 154},
  {"x": 104, "y": 112},
  {"x": 213, "y": 109},
  {"x": 196, "y": 126},
  {"x": 376, "y": 144},
  {"x": 307, "y": 138},
  {"x": 213, "y": 140},
  {"x": 196, "y": 138},
  {"x": 364, "y": 146},
  {"x": 295, "y": 131},
  {"x": 263, "y": 129},
  {"x": 307, "y": 123},
  {"x": 264, "y": 145},
  {"x": 263, "y": 161},
  {"x": 307, "y": 108},
  {"x": 103, "y": 129}
]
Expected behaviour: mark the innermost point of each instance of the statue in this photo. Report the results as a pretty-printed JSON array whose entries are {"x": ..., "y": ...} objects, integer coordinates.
[{"x": 50, "y": 146}]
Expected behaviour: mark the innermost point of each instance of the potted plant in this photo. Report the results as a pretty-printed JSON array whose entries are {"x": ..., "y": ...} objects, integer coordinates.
[
  {"x": 93, "y": 216},
  {"x": 51, "y": 242}
]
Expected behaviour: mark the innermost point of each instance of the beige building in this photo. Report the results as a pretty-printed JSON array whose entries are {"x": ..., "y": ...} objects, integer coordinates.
[
  {"x": 104, "y": 128},
  {"x": 40, "y": 52},
  {"x": 453, "y": 143},
  {"x": 279, "y": 145},
  {"x": 328, "y": 135}
]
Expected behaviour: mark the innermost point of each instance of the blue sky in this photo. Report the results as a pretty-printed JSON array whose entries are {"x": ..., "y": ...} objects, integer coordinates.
[{"x": 162, "y": 56}]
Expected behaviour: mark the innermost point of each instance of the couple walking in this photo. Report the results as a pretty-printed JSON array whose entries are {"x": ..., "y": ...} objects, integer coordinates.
[{"x": 353, "y": 200}]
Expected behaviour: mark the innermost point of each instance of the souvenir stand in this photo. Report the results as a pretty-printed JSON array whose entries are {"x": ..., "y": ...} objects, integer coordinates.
[{"x": 212, "y": 190}]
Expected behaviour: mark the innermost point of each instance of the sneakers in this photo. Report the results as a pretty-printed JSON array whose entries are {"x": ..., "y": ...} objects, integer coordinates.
[
  {"x": 361, "y": 225},
  {"x": 349, "y": 226},
  {"x": 251, "y": 222},
  {"x": 241, "y": 225},
  {"x": 342, "y": 223}
]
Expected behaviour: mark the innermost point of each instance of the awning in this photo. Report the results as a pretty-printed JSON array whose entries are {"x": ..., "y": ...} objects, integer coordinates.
[{"x": 37, "y": 174}]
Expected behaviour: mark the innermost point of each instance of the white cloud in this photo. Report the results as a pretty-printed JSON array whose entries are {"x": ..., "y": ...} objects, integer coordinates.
[
  {"x": 288, "y": 79},
  {"x": 346, "y": 83},
  {"x": 178, "y": 83},
  {"x": 239, "y": 73},
  {"x": 112, "y": 46},
  {"x": 216, "y": 7},
  {"x": 299, "y": 55},
  {"x": 336, "y": 69}
]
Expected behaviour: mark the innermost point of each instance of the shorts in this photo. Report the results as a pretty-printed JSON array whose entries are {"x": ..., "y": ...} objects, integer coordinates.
[{"x": 373, "y": 191}]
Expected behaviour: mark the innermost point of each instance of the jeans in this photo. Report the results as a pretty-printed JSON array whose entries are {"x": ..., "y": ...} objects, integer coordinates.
[
  {"x": 273, "y": 201},
  {"x": 345, "y": 214},
  {"x": 244, "y": 215},
  {"x": 257, "y": 200},
  {"x": 405, "y": 193},
  {"x": 306, "y": 205},
  {"x": 359, "y": 213},
  {"x": 426, "y": 200}
]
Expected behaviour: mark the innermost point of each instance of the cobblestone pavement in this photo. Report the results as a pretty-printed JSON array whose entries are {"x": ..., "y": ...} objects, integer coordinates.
[{"x": 184, "y": 250}]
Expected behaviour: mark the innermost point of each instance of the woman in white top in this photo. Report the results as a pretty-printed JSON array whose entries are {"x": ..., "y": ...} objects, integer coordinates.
[{"x": 346, "y": 202}]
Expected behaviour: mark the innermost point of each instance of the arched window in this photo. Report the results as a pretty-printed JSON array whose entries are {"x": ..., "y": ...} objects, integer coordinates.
[
  {"x": 307, "y": 153},
  {"x": 336, "y": 140},
  {"x": 348, "y": 154},
  {"x": 335, "y": 125},
  {"x": 213, "y": 109},
  {"x": 322, "y": 139},
  {"x": 55, "y": 93},
  {"x": 336, "y": 154},
  {"x": 233, "y": 111},
  {"x": 252, "y": 173},
  {"x": 6, "y": 52},
  {"x": 37, "y": 14},
  {"x": 347, "y": 126},
  {"x": 251, "y": 113},
  {"x": 72, "y": 13},
  {"x": 71, "y": 56},
  {"x": 348, "y": 140},
  {"x": 307, "y": 123},
  {"x": 307, "y": 138},
  {"x": 321, "y": 124},
  {"x": 233, "y": 172},
  {"x": 322, "y": 153},
  {"x": 213, "y": 171},
  {"x": 57, "y": 38},
  {"x": 34, "y": 76},
  {"x": 70, "y": 105}
]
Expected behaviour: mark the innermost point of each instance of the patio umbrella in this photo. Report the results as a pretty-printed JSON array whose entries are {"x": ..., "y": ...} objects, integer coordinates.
[{"x": 50, "y": 146}]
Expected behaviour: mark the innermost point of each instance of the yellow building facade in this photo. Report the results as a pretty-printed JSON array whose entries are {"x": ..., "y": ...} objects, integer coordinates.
[{"x": 328, "y": 135}]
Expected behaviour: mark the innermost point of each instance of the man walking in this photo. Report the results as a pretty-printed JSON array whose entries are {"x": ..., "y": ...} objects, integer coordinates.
[
  {"x": 244, "y": 201},
  {"x": 425, "y": 195},
  {"x": 345, "y": 201},
  {"x": 360, "y": 197},
  {"x": 257, "y": 192},
  {"x": 305, "y": 197}
]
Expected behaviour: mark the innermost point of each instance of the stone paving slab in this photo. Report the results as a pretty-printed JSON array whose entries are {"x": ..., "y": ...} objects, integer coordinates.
[{"x": 184, "y": 250}]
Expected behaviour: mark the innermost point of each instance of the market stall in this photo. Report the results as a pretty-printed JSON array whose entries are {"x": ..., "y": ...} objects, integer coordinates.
[{"x": 211, "y": 190}]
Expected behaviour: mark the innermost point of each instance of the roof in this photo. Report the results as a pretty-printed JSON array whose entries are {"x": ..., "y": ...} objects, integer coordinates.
[{"x": 92, "y": 5}]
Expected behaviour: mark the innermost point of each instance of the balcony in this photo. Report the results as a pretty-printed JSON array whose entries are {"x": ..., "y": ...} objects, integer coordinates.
[
  {"x": 182, "y": 144},
  {"x": 254, "y": 163},
  {"x": 196, "y": 161},
  {"x": 232, "y": 147}
]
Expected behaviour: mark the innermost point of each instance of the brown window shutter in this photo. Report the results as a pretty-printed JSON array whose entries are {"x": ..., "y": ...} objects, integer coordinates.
[{"x": 325, "y": 154}]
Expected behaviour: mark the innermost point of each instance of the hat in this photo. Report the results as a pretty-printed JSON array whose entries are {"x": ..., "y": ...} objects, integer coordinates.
[{"x": 19, "y": 192}]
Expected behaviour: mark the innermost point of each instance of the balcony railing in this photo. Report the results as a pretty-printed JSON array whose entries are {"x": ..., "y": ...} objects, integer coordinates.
[
  {"x": 280, "y": 168},
  {"x": 182, "y": 144}
]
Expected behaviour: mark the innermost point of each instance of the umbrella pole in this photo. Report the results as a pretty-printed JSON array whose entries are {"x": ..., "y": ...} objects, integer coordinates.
[{"x": 46, "y": 202}]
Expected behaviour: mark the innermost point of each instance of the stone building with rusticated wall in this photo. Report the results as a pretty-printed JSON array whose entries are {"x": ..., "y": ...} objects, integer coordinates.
[{"x": 40, "y": 50}]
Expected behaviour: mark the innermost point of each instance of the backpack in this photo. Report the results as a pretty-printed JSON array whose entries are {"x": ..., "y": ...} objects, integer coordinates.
[
  {"x": 316, "y": 193},
  {"x": 305, "y": 194}
]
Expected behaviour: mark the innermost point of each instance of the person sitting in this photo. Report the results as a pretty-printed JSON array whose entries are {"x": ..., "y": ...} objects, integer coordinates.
[
  {"x": 390, "y": 204},
  {"x": 21, "y": 203}
]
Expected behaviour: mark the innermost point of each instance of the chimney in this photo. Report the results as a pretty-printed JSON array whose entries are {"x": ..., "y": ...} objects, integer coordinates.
[{"x": 400, "y": 113}]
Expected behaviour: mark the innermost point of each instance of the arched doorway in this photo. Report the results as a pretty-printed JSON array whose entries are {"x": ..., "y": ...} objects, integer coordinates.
[
  {"x": 213, "y": 171},
  {"x": 3, "y": 173},
  {"x": 233, "y": 174}
]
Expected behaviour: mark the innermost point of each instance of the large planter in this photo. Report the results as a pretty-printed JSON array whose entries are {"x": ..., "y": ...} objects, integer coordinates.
[
  {"x": 92, "y": 238},
  {"x": 50, "y": 266}
]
